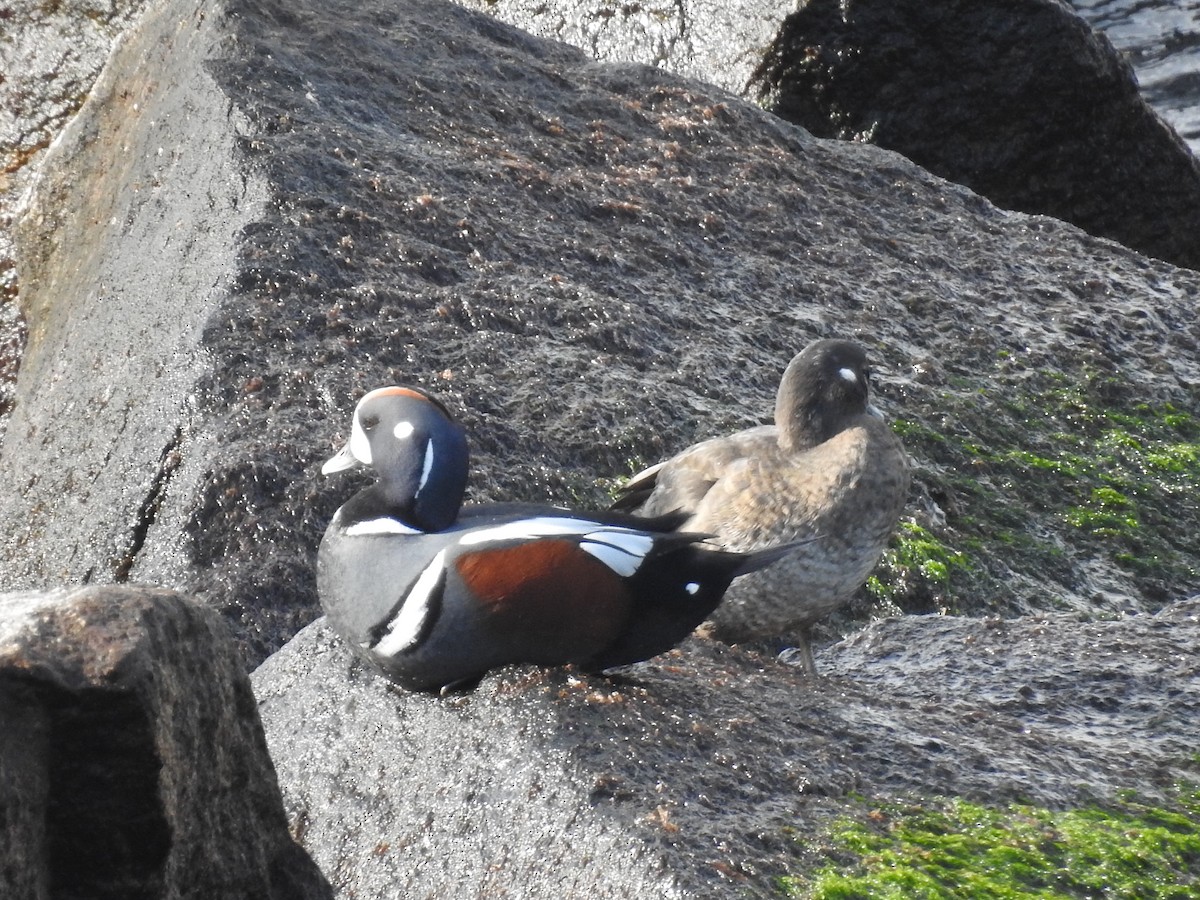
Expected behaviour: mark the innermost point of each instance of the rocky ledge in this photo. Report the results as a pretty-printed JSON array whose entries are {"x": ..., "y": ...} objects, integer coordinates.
[
  {"x": 264, "y": 209},
  {"x": 709, "y": 771},
  {"x": 132, "y": 761}
]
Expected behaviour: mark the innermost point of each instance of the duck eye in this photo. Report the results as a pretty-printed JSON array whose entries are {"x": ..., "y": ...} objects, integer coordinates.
[{"x": 369, "y": 422}]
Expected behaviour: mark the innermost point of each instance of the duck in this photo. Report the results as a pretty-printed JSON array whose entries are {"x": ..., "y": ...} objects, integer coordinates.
[
  {"x": 434, "y": 593},
  {"x": 829, "y": 473}
]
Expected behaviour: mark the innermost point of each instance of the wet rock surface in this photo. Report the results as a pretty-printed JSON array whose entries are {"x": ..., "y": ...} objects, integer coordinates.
[
  {"x": 1021, "y": 102},
  {"x": 266, "y": 209},
  {"x": 132, "y": 762},
  {"x": 594, "y": 265},
  {"x": 705, "y": 771}
]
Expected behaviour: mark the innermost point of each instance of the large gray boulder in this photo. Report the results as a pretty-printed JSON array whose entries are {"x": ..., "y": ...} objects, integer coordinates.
[
  {"x": 707, "y": 772},
  {"x": 595, "y": 265},
  {"x": 1020, "y": 101},
  {"x": 266, "y": 208},
  {"x": 132, "y": 759},
  {"x": 50, "y": 55}
]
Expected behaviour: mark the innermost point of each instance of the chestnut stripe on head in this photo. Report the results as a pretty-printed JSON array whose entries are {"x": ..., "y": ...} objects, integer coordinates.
[
  {"x": 396, "y": 392},
  {"x": 414, "y": 393}
]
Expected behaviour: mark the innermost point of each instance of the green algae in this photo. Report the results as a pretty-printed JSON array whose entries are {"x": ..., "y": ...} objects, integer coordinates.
[
  {"x": 949, "y": 848},
  {"x": 915, "y": 561},
  {"x": 1040, "y": 477}
]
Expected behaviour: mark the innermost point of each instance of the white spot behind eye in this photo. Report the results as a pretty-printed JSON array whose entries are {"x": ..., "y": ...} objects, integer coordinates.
[
  {"x": 403, "y": 430},
  {"x": 692, "y": 588},
  {"x": 849, "y": 374}
]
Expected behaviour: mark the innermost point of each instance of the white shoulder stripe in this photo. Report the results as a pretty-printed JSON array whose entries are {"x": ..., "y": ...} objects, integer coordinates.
[
  {"x": 618, "y": 560},
  {"x": 528, "y": 529},
  {"x": 635, "y": 543},
  {"x": 406, "y": 627},
  {"x": 621, "y": 549},
  {"x": 382, "y": 525}
]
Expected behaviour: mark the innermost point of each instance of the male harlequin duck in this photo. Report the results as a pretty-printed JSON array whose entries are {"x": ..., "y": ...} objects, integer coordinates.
[
  {"x": 830, "y": 468},
  {"x": 434, "y": 596}
]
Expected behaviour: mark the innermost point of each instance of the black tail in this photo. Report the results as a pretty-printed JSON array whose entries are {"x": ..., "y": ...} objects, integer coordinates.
[
  {"x": 760, "y": 559},
  {"x": 676, "y": 590}
]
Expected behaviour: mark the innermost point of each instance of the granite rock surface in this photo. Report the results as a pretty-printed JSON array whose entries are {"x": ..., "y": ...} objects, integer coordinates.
[
  {"x": 132, "y": 759},
  {"x": 708, "y": 771},
  {"x": 595, "y": 265},
  {"x": 1022, "y": 102},
  {"x": 264, "y": 209}
]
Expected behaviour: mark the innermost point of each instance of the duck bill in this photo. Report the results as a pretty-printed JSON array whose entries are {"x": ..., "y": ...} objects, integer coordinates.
[{"x": 341, "y": 461}]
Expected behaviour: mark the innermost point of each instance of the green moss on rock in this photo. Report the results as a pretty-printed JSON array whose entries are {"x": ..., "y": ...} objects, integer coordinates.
[
  {"x": 1046, "y": 481},
  {"x": 916, "y": 563},
  {"x": 951, "y": 849}
]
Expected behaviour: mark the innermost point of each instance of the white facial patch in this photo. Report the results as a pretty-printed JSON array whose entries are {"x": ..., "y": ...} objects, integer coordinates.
[
  {"x": 406, "y": 628},
  {"x": 403, "y": 430},
  {"x": 621, "y": 549},
  {"x": 692, "y": 588},
  {"x": 849, "y": 375},
  {"x": 360, "y": 446},
  {"x": 382, "y": 525}
]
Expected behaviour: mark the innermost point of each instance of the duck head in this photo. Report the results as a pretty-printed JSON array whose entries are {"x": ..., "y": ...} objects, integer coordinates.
[
  {"x": 417, "y": 451},
  {"x": 824, "y": 388}
]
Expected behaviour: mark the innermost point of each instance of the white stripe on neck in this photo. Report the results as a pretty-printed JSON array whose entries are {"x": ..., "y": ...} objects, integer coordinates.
[
  {"x": 427, "y": 468},
  {"x": 382, "y": 525}
]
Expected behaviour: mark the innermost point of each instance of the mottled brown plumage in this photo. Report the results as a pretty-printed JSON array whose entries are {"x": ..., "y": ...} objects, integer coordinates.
[{"x": 829, "y": 469}]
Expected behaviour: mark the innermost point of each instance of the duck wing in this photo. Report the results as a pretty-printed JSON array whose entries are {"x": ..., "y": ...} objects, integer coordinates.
[{"x": 680, "y": 484}]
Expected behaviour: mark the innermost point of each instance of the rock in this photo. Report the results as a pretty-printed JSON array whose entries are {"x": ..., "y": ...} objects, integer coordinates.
[
  {"x": 132, "y": 758},
  {"x": 1021, "y": 102},
  {"x": 264, "y": 211},
  {"x": 700, "y": 774},
  {"x": 720, "y": 42},
  {"x": 50, "y": 54},
  {"x": 266, "y": 208}
]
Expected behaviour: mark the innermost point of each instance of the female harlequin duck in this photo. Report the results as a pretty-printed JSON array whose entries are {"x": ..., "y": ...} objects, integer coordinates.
[
  {"x": 830, "y": 468},
  {"x": 435, "y": 596}
]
